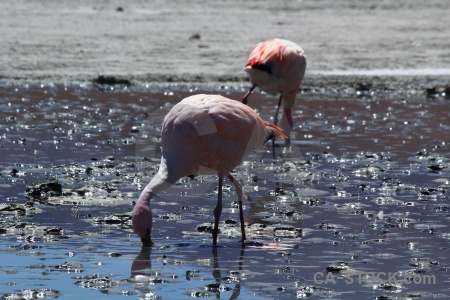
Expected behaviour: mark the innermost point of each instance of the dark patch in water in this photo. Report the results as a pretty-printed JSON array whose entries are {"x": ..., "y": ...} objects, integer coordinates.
[
  {"x": 110, "y": 80},
  {"x": 45, "y": 190}
]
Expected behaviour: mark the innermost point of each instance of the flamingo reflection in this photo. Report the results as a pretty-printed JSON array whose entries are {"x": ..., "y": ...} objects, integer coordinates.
[{"x": 144, "y": 278}]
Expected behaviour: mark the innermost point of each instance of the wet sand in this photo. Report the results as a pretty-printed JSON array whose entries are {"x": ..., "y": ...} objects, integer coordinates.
[{"x": 391, "y": 44}]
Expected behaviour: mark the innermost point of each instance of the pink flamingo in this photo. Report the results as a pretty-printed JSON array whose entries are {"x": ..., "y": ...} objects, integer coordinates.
[
  {"x": 277, "y": 66},
  {"x": 203, "y": 134}
]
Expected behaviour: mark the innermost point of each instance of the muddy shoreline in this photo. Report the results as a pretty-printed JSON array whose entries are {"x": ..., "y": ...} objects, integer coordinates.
[{"x": 350, "y": 85}]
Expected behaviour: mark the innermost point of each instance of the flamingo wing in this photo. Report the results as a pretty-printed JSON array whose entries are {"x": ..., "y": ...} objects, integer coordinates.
[{"x": 210, "y": 134}]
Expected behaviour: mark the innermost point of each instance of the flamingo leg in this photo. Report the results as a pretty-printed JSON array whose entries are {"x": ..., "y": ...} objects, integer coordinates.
[
  {"x": 217, "y": 211},
  {"x": 244, "y": 100},
  {"x": 238, "y": 188}
]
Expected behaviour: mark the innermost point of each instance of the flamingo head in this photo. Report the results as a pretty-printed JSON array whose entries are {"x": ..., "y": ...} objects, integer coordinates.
[
  {"x": 142, "y": 222},
  {"x": 274, "y": 132}
]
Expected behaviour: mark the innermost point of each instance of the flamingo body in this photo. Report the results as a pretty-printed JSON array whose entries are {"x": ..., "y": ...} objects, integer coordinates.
[
  {"x": 202, "y": 134},
  {"x": 277, "y": 66}
]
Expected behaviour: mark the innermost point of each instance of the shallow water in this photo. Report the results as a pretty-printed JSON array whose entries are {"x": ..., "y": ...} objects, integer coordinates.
[{"x": 356, "y": 207}]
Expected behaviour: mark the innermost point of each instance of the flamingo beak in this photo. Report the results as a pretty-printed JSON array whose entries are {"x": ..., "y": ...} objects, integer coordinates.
[{"x": 146, "y": 240}]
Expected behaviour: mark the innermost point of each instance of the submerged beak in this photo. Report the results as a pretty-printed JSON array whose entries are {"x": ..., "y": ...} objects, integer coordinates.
[{"x": 146, "y": 240}]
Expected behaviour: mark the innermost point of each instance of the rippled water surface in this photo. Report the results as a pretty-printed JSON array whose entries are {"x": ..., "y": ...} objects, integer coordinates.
[{"x": 356, "y": 207}]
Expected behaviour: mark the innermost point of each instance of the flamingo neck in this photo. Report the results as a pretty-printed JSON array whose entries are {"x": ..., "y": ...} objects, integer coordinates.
[
  {"x": 160, "y": 182},
  {"x": 146, "y": 196},
  {"x": 288, "y": 116},
  {"x": 289, "y": 98},
  {"x": 286, "y": 122}
]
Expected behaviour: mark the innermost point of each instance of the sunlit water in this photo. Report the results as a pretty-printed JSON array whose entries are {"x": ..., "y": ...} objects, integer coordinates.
[{"x": 356, "y": 207}]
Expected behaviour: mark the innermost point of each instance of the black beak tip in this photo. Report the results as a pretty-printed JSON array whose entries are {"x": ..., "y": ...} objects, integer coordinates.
[
  {"x": 147, "y": 243},
  {"x": 146, "y": 240}
]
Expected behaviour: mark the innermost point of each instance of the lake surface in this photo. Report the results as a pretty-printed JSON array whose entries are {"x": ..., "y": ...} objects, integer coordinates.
[{"x": 355, "y": 207}]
